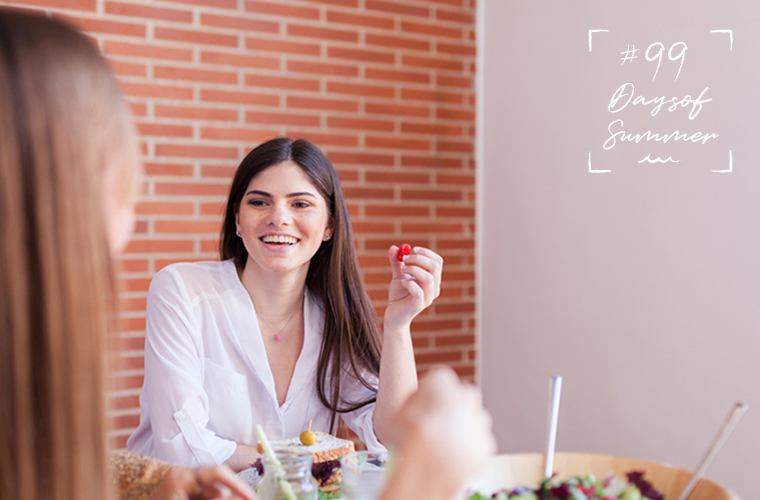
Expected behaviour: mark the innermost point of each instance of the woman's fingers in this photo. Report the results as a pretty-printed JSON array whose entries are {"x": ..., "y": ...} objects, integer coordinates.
[
  {"x": 221, "y": 478},
  {"x": 428, "y": 253},
  {"x": 426, "y": 280},
  {"x": 393, "y": 259}
]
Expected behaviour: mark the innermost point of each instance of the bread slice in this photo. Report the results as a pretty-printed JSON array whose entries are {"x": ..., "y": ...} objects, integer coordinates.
[{"x": 327, "y": 447}]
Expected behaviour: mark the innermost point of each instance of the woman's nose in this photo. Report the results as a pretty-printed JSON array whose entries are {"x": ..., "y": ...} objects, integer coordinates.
[{"x": 280, "y": 214}]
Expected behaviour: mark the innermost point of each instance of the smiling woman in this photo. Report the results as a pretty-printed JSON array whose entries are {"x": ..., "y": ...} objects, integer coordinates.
[{"x": 280, "y": 332}]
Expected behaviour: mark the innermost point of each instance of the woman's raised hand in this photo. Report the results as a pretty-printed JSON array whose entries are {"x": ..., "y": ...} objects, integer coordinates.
[
  {"x": 205, "y": 483},
  {"x": 415, "y": 284}
]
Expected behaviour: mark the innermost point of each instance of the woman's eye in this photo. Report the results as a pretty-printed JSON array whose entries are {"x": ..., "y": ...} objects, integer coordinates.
[
  {"x": 301, "y": 204},
  {"x": 256, "y": 203}
]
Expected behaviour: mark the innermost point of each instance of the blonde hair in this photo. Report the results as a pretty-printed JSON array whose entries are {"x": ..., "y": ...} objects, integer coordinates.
[{"x": 65, "y": 132}]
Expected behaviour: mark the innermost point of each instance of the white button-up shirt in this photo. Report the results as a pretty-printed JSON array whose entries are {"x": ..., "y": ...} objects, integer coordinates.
[{"x": 207, "y": 377}]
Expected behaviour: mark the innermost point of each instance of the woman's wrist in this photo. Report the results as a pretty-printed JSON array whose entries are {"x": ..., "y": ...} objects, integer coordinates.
[
  {"x": 397, "y": 328},
  {"x": 410, "y": 467}
]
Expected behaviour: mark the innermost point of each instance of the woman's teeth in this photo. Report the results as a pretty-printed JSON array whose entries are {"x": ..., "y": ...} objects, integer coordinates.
[{"x": 279, "y": 240}]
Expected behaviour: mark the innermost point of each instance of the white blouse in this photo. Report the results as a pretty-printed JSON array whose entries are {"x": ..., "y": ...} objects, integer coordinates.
[{"x": 207, "y": 377}]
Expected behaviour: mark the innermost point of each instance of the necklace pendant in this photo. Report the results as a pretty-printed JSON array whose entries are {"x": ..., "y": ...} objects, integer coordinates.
[{"x": 277, "y": 338}]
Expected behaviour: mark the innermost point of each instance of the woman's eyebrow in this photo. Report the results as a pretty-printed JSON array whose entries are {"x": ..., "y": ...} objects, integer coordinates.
[{"x": 291, "y": 195}]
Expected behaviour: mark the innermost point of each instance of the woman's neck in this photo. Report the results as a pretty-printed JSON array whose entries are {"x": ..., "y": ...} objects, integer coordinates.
[{"x": 275, "y": 295}]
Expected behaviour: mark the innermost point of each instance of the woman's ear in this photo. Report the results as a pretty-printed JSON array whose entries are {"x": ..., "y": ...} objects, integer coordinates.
[{"x": 237, "y": 224}]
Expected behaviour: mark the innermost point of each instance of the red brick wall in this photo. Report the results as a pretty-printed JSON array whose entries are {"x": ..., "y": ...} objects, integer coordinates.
[{"x": 386, "y": 88}]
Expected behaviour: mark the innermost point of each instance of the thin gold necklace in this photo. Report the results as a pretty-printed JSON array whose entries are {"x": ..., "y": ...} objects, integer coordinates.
[{"x": 278, "y": 336}]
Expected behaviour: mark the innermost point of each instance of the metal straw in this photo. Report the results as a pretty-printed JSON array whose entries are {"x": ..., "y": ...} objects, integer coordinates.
[
  {"x": 555, "y": 389},
  {"x": 737, "y": 412}
]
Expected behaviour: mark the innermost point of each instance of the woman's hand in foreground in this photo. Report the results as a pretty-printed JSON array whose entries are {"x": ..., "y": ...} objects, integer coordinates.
[
  {"x": 415, "y": 284},
  {"x": 201, "y": 484},
  {"x": 443, "y": 435}
]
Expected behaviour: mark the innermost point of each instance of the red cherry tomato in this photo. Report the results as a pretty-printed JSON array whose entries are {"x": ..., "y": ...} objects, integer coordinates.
[{"x": 404, "y": 249}]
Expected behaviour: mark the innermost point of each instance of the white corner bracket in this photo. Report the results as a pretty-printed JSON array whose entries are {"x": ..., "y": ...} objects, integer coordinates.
[
  {"x": 730, "y": 34},
  {"x": 593, "y": 170},
  {"x": 591, "y": 32},
  {"x": 730, "y": 168}
]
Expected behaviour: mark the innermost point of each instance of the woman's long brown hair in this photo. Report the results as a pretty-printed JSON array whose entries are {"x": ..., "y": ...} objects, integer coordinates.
[
  {"x": 350, "y": 342},
  {"x": 64, "y": 129}
]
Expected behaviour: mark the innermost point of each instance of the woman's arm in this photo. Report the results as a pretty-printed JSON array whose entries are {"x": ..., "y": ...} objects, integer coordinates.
[
  {"x": 173, "y": 400},
  {"x": 415, "y": 284},
  {"x": 243, "y": 457}
]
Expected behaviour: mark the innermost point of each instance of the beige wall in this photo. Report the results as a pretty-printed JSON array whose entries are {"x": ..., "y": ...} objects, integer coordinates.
[{"x": 640, "y": 286}]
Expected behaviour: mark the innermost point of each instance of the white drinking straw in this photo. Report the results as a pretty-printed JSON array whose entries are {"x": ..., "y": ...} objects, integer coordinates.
[
  {"x": 279, "y": 472},
  {"x": 555, "y": 389},
  {"x": 736, "y": 413}
]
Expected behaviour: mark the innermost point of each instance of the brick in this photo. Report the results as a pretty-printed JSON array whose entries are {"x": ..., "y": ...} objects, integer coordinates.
[
  {"x": 240, "y": 97},
  {"x": 237, "y": 134},
  {"x": 194, "y": 189},
  {"x": 367, "y": 192},
  {"x": 455, "y": 49},
  {"x": 240, "y": 59},
  {"x": 370, "y": 21},
  {"x": 64, "y": 4},
  {"x": 361, "y": 55},
  {"x": 397, "y": 177},
  {"x": 186, "y": 226},
  {"x": 456, "y": 16},
  {"x": 146, "y": 50},
  {"x": 456, "y": 146},
  {"x": 325, "y": 138},
  {"x": 449, "y": 212},
  {"x": 239, "y": 23},
  {"x": 396, "y": 211},
  {"x": 437, "y": 96},
  {"x": 297, "y": 119},
  {"x": 454, "y": 81},
  {"x": 396, "y": 142},
  {"x": 397, "y": 7},
  {"x": 431, "y": 227},
  {"x": 281, "y": 46},
  {"x": 195, "y": 37},
  {"x": 396, "y": 76},
  {"x": 125, "y": 68},
  {"x": 148, "y": 12},
  {"x": 432, "y": 29},
  {"x": 437, "y": 357},
  {"x": 194, "y": 75},
  {"x": 161, "y": 129},
  {"x": 320, "y": 103},
  {"x": 156, "y": 91},
  {"x": 430, "y": 194},
  {"x": 193, "y": 151},
  {"x": 360, "y": 123},
  {"x": 222, "y": 4},
  {"x": 467, "y": 115},
  {"x": 322, "y": 68},
  {"x": 430, "y": 161},
  {"x": 154, "y": 245},
  {"x": 458, "y": 179},
  {"x": 281, "y": 10},
  {"x": 125, "y": 265},
  {"x": 361, "y": 90},
  {"x": 173, "y": 169},
  {"x": 396, "y": 109},
  {"x": 224, "y": 171},
  {"x": 107, "y": 27},
  {"x": 195, "y": 113},
  {"x": 442, "y": 63},
  {"x": 357, "y": 158},
  {"x": 308, "y": 31},
  {"x": 279, "y": 82},
  {"x": 397, "y": 42},
  {"x": 430, "y": 128},
  {"x": 165, "y": 208}
]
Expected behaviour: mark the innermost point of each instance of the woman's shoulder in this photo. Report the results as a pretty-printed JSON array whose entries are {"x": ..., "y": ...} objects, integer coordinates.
[{"x": 194, "y": 279}]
